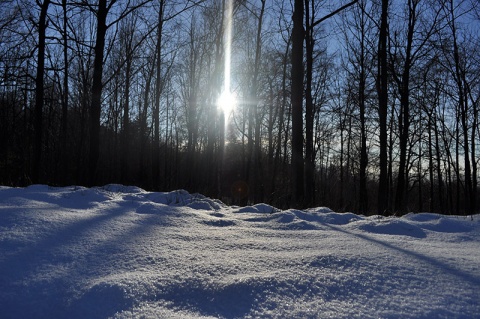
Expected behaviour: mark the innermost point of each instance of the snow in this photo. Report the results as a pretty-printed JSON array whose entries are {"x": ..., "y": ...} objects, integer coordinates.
[{"x": 122, "y": 252}]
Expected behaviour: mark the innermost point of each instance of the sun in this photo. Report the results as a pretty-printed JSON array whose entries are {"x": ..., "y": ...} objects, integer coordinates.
[{"x": 226, "y": 102}]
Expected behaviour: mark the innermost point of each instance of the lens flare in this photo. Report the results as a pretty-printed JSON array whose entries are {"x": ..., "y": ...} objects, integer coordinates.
[{"x": 226, "y": 102}]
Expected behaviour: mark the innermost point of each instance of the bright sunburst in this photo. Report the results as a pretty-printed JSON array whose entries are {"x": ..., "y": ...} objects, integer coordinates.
[{"x": 226, "y": 101}]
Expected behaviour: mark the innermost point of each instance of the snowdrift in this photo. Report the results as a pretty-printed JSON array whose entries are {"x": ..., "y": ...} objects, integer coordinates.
[{"x": 121, "y": 252}]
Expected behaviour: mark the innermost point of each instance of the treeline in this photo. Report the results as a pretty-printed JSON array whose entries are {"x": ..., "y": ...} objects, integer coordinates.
[{"x": 365, "y": 106}]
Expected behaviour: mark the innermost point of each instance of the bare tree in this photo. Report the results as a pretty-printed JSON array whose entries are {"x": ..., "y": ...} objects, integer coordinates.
[
  {"x": 101, "y": 11},
  {"x": 360, "y": 54},
  {"x": 465, "y": 110},
  {"x": 254, "y": 171},
  {"x": 298, "y": 36},
  {"x": 382, "y": 89},
  {"x": 39, "y": 92}
]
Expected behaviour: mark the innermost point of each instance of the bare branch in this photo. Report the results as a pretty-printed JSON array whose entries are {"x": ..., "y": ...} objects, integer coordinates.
[{"x": 331, "y": 14}]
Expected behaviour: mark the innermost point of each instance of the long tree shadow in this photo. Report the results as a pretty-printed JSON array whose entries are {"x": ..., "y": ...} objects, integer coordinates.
[
  {"x": 441, "y": 266},
  {"x": 39, "y": 260},
  {"x": 65, "y": 254}
]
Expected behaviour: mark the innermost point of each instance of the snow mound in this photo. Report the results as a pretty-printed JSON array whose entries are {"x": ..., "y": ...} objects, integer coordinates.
[
  {"x": 422, "y": 217},
  {"x": 258, "y": 208},
  {"x": 320, "y": 210},
  {"x": 205, "y": 204},
  {"x": 184, "y": 198},
  {"x": 294, "y": 219},
  {"x": 326, "y": 216},
  {"x": 392, "y": 226},
  {"x": 441, "y": 223},
  {"x": 117, "y": 188}
]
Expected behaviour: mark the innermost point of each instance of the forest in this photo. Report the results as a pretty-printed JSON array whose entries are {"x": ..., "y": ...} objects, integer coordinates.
[{"x": 369, "y": 106}]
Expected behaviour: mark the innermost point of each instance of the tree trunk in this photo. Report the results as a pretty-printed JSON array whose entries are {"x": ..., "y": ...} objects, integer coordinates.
[
  {"x": 463, "y": 109},
  {"x": 439, "y": 170},
  {"x": 254, "y": 119},
  {"x": 309, "y": 113},
  {"x": 430, "y": 162},
  {"x": 64, "y": 128},
  {"x": 281, "y": 121},
  {"x": 97, "y": 86},
  {"x": 382, "y": 87},
  {"x": 125, "y": 147},
  {"x": 38, "y": 124},
  {"x": 404, "y": 120},
  {"x": 474, "y": 160},
  {"x": 363, "y": 201},
  {"x": 144, "y": 138},
  {"x": 156, "y": 106},
  {"x": 298, "y": 36}
]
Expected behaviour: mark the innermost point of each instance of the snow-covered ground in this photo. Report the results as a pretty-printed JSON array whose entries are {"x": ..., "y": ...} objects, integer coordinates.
[{"x": 122, "y": 252}]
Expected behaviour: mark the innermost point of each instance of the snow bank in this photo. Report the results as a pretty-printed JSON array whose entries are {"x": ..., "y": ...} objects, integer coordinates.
[{"x": 122, "y": 252}]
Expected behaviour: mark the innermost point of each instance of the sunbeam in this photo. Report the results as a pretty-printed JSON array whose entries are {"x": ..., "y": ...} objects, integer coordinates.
[{"x": 226, "y": 100}]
